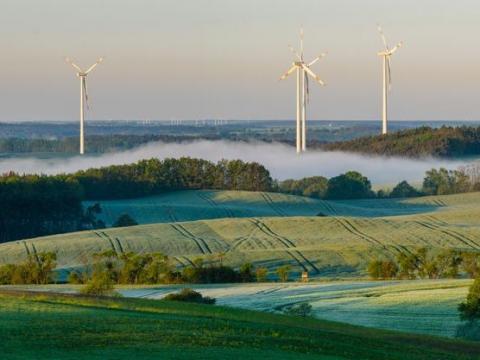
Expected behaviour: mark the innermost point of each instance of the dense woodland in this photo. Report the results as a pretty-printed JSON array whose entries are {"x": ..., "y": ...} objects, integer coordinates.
[
  {"x": 424, "y": 141},
  {"x": 36, "y": 205},
  {"x": 94, "y": 143}
]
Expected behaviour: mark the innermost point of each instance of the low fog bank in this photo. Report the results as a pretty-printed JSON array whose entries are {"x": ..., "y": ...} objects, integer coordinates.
[{"x": 280, "y": 159}]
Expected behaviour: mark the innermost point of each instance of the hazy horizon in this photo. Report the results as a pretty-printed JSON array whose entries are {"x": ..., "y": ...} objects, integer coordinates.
[
  {"x": 279, "y": 159},
  {"x": 222, "y": 58}
]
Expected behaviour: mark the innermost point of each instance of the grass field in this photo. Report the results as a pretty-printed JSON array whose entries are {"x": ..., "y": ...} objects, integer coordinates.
[
  {"x": 66, "y": 327},
  {"x": 419, "y": 306},
  {"x": 325, "y": 246},
  {"x": 202, "y": 204}
]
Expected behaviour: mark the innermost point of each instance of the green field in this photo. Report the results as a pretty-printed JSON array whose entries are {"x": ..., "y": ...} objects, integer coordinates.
[
  {"x": 204, "y": 204},
  {"x": 67, "y": 327},
  {"x": 337, "y": 245},
  {"x": 419, "y": 306}
]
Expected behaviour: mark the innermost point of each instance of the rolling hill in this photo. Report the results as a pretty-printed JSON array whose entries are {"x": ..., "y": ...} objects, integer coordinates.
[
  {"x": 340, "y": 244},
  {"x": 194, "y": 205},
  {"x": 34, "y": 326}
]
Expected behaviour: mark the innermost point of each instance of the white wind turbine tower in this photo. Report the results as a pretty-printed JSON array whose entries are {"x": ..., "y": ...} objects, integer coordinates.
[
  {"x": 303, "y": 71},
  {"x": 387, "y": 75},
  {"x": 83, "y": 95}
]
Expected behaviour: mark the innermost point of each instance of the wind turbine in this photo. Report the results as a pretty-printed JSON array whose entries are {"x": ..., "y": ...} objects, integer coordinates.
[
  {"x": 303, "y": 71},
  {"x": 387, "y": 74},
  {"x": 83, "y": 95}
]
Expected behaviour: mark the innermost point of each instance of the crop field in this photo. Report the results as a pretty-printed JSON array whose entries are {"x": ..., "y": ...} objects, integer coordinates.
[
  {"x": 56, "y": 326},
  {"x": 203, "y": 204},
  {"x": 337, "y": 246},
  {"x": 420, "y": 306}
]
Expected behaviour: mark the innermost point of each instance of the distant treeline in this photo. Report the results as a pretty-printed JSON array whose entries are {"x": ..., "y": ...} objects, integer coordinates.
[
  {"x": 353, "y": 185},
  {"x": 36, "y": 205},
  {"x": 445, "y": 141},
  {"x": 424, "y": 263},
  {"x": 93, "y": 143}
]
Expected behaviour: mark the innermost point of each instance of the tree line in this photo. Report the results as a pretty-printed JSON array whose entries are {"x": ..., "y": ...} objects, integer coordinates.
[
  {"x": 426, "y": 264},
  {"x": 353, "y": 185},
  {"x": 36, "y": 205},
  {"x": 94, "y": 143},
  {"x": 446, "y": 141}
]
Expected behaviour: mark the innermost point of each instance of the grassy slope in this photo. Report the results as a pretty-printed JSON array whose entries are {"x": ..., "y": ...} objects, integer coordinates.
[
  {"x": 334, "y": 245},
  {"x": 202, "y": 204},
  {"x": 419, "y": 306},
  {"x": 65, "y": 327}
]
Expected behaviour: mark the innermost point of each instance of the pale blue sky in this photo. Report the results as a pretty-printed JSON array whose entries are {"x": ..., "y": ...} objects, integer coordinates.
[{"x": 222, "y": 58}]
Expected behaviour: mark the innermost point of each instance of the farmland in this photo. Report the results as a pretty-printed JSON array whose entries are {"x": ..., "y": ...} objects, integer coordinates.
[
  {"x": 71, "y": 327},
  {"x": 337, "y": 245},
  {"x": 203, "y": 204}
]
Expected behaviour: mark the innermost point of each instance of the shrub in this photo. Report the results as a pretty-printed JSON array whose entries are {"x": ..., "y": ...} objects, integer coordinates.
[
  {"x": 261, "y": 274},
  {"x": 189, "y": 295},
  {"x": 470, "y": 309},
  {"x": 302, "y": 310},
  {"x": 351, "y": 185},
  {"x": 374, "y": 269},
  {"x": 75, "y": 277},
  {"x": 100, "y": 284},
  {"x": 283, "y": 272},
  {"x": 246, "y": 272},
  {"x": 404, "y": 190},
  {"x": 124, "y": 220},
  {"x": 471, "y": 264}
]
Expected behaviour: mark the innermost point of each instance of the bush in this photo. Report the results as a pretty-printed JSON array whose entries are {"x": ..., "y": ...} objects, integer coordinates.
[
  {"x": 404, "y": 190},
  {"x": 100, "y": 284},
  {"x": 382, "y": 269},
  {"x": 351, "y": 185},
  {"x": 75, "y": 277},
  {"x": 124, "y": 220},
  {"x": 246, "y": 272},
  {"x": 283, "y": 272},
  {"x": 261, "y": 274},
  {"x": 189, "y": 295},
  {"x": 470, "y": 309},
  {"x": 302, "y": 310}
]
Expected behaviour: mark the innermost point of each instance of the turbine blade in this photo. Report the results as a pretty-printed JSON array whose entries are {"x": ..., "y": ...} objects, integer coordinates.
[
  {"x": 301, "y": 42},
  {"x": 294, "y": 52},
  {"x": 84, "y": 81},
  {"x": 322, "y": 55},
  {"x": 288, "y": 72},
  {"x": 75, "y": 66},
  {"x": 94, "y": 65},
  {"x": 382, "y": 35},
  {"x": 312, "y": 74},
  {"x": 395, "y": 48}
]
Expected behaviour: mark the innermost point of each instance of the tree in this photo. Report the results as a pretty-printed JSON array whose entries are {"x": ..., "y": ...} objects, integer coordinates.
[
  {"x": 449, "y": 262},
  {"x": 407, "y": 265},
  {"x": 351, "y": 185},
  {"x": 261, "y": 274},
  {"x": 283, "y": 272},
  {"x": 404, "y": 190},
  {"x": 471, "y": 264},
  {"x": 374, "y": 269},
  {"x": 470, "y": 309},
  {"x": 246, "y": 272},
  {"x": 124, "y": 220},
  {"x": 389, "y": 269}
]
